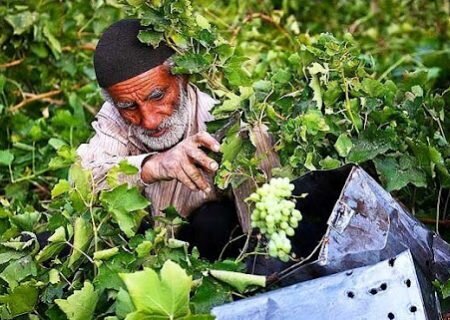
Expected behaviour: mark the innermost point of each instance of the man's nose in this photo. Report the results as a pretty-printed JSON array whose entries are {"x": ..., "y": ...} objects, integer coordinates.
[{"x": 150, "y": 120}]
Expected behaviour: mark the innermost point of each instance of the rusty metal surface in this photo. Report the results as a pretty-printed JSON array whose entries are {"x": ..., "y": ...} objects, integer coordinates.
[
  {"x": 391, "y": 289},
  {"x": 368, "y": 225}
]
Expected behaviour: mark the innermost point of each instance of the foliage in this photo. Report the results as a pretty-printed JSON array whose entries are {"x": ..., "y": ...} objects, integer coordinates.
[
  {"x": 90, "y": 266},
  {"x": 376, "y": 90}
]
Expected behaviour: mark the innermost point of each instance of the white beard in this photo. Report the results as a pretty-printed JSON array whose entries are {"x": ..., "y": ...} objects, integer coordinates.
[{"x": 176, "y": 125}]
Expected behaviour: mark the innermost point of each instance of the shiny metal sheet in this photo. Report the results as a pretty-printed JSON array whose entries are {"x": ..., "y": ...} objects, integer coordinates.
[{"x": 390, "y": 289}]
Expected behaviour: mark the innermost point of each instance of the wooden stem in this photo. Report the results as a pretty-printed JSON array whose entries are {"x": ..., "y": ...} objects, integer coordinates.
[
  {"x": 11, "y": 64},
  {"x": 33, "y": 98}
]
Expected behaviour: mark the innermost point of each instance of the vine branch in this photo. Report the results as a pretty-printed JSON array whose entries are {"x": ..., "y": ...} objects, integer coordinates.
[
  {"x": 32, "y": 98},
  {"x": 12, "y": 63}
]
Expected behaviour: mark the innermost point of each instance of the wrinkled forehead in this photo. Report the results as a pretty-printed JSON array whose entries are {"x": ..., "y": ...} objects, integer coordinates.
[{"x": 156, "y": 78}]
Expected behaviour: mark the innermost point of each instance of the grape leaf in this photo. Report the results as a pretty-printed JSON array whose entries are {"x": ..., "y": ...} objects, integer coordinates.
[
  {"x": 343, "y": 145},
  {"x": 150, "y": 37},
  {"x": 124, "y": 305},
  {"x": 23, "y": 21},
  {"x": 105, "y": 254},
  {"x": 81, "y": 180},
  {"x": 60, "y": 188},
  {"x": 239, "y": 280},
  {"x": 19, "y": 270},
  {"x": 6, "y": 157},
  {"x": 81, "y": 304},
  {"x": 209, "y": 295},
  {"x": 21, "y": 299},
  {"x": 122, "y": 202},
  {"x": 397, "y": 175},
  {"x": 165, "y": 296},
  {"x": 114, "y": 174},
  {"x": 373, "y": 88},
  {"x": 81, "y": 238}
]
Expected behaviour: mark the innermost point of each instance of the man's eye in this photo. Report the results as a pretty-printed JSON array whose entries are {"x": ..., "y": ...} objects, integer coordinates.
[
  {"x": 126, "y": 105},
  {"x": 156, "y": 95}
]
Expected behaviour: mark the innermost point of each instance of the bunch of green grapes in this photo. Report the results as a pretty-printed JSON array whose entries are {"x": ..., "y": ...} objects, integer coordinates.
[{"x": 275, "y": 215}]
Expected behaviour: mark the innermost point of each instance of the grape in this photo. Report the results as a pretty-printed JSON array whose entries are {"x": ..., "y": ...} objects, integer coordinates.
[
  {"x": 290, "y": 232},
  {"x": 293, "y": 223},
  {"x": 275, "y": 215}
]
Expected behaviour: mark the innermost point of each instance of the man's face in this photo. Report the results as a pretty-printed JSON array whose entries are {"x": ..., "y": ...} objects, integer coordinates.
[{"x": 154, "y": 104}]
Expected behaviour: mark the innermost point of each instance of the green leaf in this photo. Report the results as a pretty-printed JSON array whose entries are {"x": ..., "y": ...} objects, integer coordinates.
[
  {"x": 202, "y": 22},
  {"x": 18, "y": 271},
  {"x": 397, "y": 175},
  {"x": 113, "y": 176},
  {"x": 10, "y": 256},
  {"x": 81, "y": 304},
  {"x": 232, "y": 144},
  {"x": 27, "y": 220},
  {"x": 52, "y": 40},
  {"x": 238, "y": 280},
  {"x": 235, "y": 73},
  {"x": 63, "y": 186},
  {"x": 124, "y": 305},
  {"x": 23, "y": 21},
  {"x": 6, "y": 157},
  {"x": 210, "y": 294},
  {"x": 165, "y": 296},
  {"x": 373, "y": 88},
  {"x": 81, "y": 238},
  {"x": 371, "y": 143},
  {"x": 121, "y": 202},
  {"x": 143, "y": 249},
  {"x": 343, "y": 145},
  {"x": 108, "y": 272},
  {"x": 105, "y": 254},
  {"x": 53, "y": 276},
  {"x": 22, "y": 299},
  {"x": 191, "y": 63},
  {"x": 58, "y": 236},
  {"x": 81, "y": 180},
  {"x": 329, "y": 163},
  {"x": 51, "y": 250},
  {"x": 317, "y": 92},
  {"x": 281, "y": 76},
  {"x": 445, "y": 289},
  {"x": 314, "y": 122},
  {"x": 198, "y": 317},
  {"x": 150, "y": 37},
  {"x": 135, "y": 3}
]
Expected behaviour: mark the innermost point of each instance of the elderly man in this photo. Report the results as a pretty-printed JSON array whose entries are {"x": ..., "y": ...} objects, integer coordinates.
[
  {"x": 156, "y": 121},
  {"x": 153, "y": 119}
]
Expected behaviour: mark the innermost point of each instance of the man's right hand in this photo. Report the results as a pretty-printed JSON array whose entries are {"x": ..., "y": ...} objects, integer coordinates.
[{"x": 184, "y": 162}]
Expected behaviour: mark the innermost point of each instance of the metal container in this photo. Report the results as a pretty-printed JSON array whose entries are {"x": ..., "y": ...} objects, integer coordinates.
[{"x": 391, "y": 289}]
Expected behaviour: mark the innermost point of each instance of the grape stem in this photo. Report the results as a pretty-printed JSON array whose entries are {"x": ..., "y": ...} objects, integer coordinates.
[
  {"x": 242, "y": 255},
  {"x": 230, "y": 242},
  {"x": 288, "y": 271}
]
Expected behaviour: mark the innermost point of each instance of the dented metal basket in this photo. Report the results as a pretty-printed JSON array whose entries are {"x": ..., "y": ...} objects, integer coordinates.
[{"x": 391, "y": 289}]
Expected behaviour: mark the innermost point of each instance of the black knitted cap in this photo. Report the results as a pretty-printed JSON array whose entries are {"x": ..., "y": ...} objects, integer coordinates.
[{"x": 120, "y": 55}]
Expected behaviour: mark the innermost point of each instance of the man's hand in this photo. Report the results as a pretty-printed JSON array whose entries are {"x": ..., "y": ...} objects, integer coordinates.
[{"x": 184, "y": 162}]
